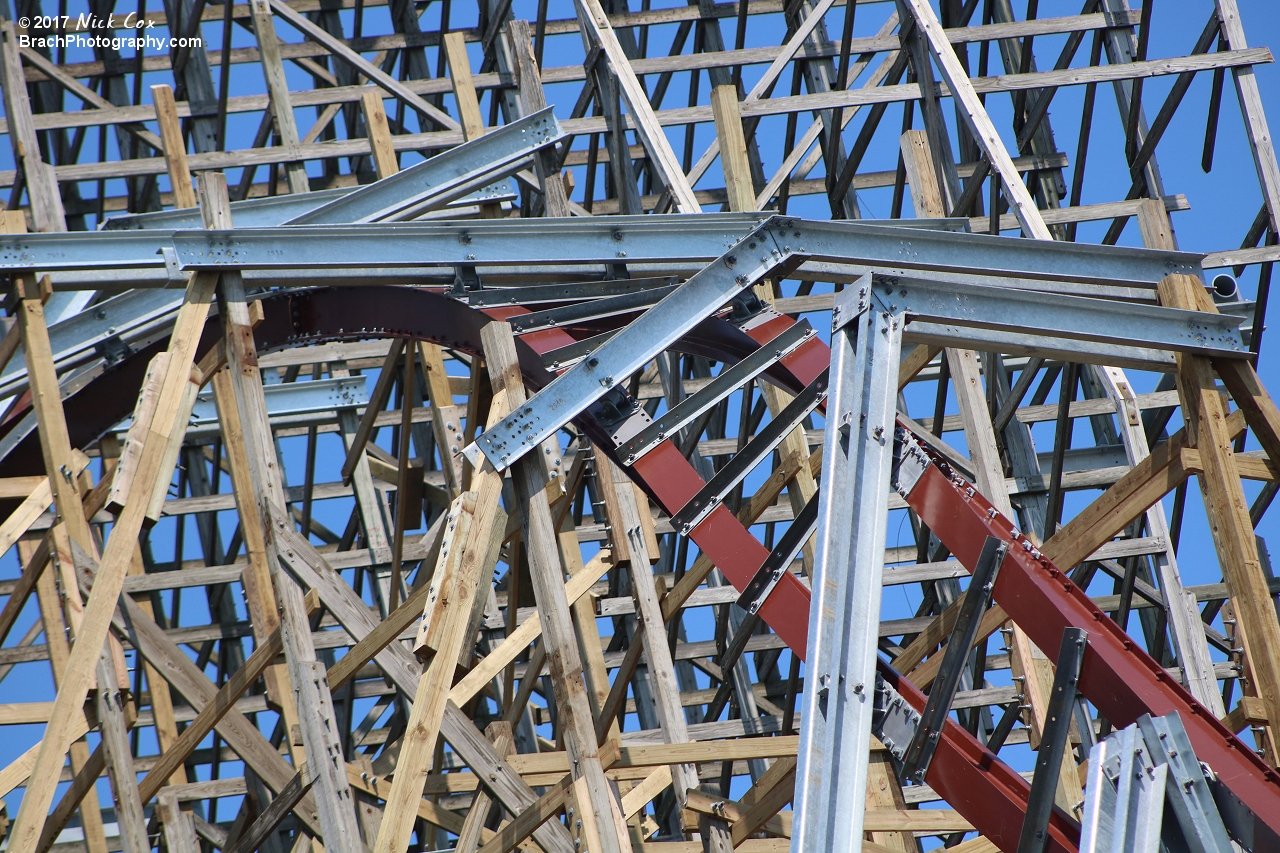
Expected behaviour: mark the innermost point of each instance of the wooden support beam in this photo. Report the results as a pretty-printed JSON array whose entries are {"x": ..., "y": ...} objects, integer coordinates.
[
  {"x": 1227, "y": 508},
  {"x": 926, "y": 195},
  {"x": 166, "y": 725},
  {"x": 884, "y": 793},
  {"x": 379, "y": 132},
  {"x": 765, "y": 799},
  {"x": 504, "y": 744},
  {"x": 209, "y": 716},
  {"x": 179, "y": 827},
  {"x": 260, "y": 599},
  {"x": 975, "y": 115},
  {"x": 1261, "y": 142},
  {"x": 630, "y": 544},
  {"x": 1185, "y": 625},
  {"x": 80, "y": 790},
  {"x": 598, "y": 34},
  {"x": 577, "y": 726},
  {"x": 341, "y": 50},
  {"x": 90, "y": 98},
  {"x": 277, "y": 810},
  {"x": 405, "y": 672},
  {"x": 488, "y": 667},
  {"x": 528, "y": 821},
  {"x": 532, "y": 98},
  {"x": 1251, "y": 710},
  {"x": 114, "y": 730},
  {"x": 278, "y": 90},
  {"x": 453, "y": 585},
  {"x": 175, "y": 146},
  {"x": 1208, "y": 429},
  {"x": 377, "y": 400},
  {"x": 629, "y": 536},
  {"x": 56, "y": 635},
  {"x": 733, "y": 148},
  {"x": 464, "y": 89},
  {"x": 446, "y": 418},
  {"x": 43, "y": 192},
  {"x": 264, "y": 487},
  {"x": 72, "y": 527}
]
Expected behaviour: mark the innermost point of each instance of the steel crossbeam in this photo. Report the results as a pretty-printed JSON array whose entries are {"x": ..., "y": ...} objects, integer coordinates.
[
  {"x": 630, "y": 239},
  {"x": 271, "y": 211},
  {"x": 1059, "y": 317},
  {"x": 779, "y": 244},
  {"x": 435, "y": 182}
]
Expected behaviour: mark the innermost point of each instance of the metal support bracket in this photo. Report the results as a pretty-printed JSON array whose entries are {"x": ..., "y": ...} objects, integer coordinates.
[
  {"x": 915, "y": 764},
  {"x": 780, "y": 558},
  {"x": 746, "y": 459},
  {"x": 439, "y": 180},
  {"x": 1053, "y": 742},
  {"x": 893, "y": 721},
  {"x": 724, "y": 384}
]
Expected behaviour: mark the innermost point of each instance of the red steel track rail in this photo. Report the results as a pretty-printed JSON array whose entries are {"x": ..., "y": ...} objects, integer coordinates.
[{"x": 1117, "y": 676}]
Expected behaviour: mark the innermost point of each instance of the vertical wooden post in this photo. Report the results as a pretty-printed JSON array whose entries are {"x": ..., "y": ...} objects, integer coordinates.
[
  {"x": 1255, "y": 118},
  {"x": 42, "y": 183},
  {"x": 503, "y": 744},
  {"x": 321, "y": 742},
  {"x": 629, "y": 544},
  {"x": 475, "y": 518},
  {"x": 1224, "y": 499},
  {"x": 55, "y": 631},
  {"x": 577, "y": 726},
  {"x": 259, "y": 598},
  {"x": 278, "y": 90},
  {"x": 114, "y": 566},
  {"x": 733, "y": 148},
  {"x": 532, "y": 99},
  {"x": 179, "y": 828},
  {"x": 70, "y": 524},
  {"x": 379, "y": 133},
  {"x": 584, "y": 620},
  {"x": 115, "y": 739},
  {"x": 175, "y": 147},
  {"x": 464, "y": 88},
  {"x": 926, "y": 195},
  {"x": 446, "y": 418}
]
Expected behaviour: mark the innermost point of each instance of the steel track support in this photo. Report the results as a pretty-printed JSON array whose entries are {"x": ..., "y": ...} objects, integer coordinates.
[{"x": 835, "y": 734}]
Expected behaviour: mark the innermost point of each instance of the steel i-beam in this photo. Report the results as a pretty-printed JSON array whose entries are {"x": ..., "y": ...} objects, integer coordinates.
[{"x": 844, "y": 615}]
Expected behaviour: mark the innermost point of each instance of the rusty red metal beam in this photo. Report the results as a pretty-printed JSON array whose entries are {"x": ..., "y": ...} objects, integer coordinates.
[{"x": 1118, "y": 677}]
